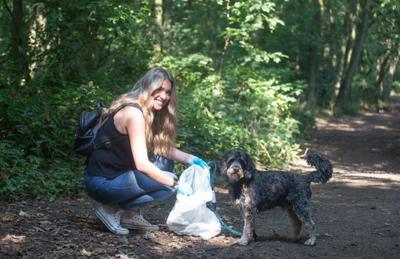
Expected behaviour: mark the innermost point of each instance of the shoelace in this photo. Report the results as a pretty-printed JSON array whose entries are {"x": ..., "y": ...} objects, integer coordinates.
[
  {"x": 139, "y": 218},
  {"x": 117, "y": 215},
  {"x": 144, "y": 221}
]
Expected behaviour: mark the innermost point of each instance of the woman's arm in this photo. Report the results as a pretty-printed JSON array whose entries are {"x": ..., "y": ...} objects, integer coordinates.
[
  {"x": 180, "y": 156},
  {"x": 135, "y": 127},
  {"x": 186, "y": 158}
]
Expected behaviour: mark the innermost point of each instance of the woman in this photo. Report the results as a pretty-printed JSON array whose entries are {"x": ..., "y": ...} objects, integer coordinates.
[{"x": 122, "y": 177}]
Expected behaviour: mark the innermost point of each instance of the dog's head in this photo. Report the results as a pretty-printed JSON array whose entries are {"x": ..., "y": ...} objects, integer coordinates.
[{"x": 237, "y": 165}]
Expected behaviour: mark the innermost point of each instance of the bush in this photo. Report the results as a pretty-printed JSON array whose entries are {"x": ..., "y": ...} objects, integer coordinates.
[
  {"x": 253, "y": 110},
  {"x": 396, "y": 86},
  {"x": 36, "y": 148},
  {"x": 244, "y": 110}
]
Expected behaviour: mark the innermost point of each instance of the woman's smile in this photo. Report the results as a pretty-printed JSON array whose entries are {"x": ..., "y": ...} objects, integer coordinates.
[{"x": 162, "y": 95}]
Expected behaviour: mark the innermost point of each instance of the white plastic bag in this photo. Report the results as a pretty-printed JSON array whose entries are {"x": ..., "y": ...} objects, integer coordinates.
[{"x": 190, "y": 215}]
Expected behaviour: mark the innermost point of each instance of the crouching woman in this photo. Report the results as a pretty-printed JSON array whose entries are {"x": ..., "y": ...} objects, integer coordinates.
[{"x": 136, "y": 169}]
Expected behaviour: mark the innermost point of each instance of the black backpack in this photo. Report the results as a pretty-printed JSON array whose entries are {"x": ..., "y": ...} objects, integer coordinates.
[
  {"x": 89, "y": 124},
  {"x": 86, "y": 138}
]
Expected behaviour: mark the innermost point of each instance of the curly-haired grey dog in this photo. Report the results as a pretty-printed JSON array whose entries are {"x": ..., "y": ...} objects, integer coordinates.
[{"x": 263, "y": 190}]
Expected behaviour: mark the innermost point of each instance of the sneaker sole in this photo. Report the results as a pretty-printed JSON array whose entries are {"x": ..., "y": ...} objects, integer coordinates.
[
  {"x": 109, "y": 227},
  {"x": 138, "y": 227}
]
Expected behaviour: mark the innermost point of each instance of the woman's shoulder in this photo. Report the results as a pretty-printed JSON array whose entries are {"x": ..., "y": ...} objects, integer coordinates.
[
  {"x": 128, "y": 115},
  {"x": 132, "y": 110}
]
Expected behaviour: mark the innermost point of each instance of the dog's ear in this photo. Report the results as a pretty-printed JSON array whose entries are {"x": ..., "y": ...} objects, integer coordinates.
[{"x": 250, "y": 167}]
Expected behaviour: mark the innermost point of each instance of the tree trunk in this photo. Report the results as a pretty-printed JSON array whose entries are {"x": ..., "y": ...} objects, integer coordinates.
[
  {"x": 381, "y": 69},
  {"x": 314, "y": 49},
  {"x": 350, "y": 28},
  {"x": 346, "y": 44},
  {"x": 18, "y": 37},
  {"x": 167, "y": 24},
  {"x": 37, "y": 27},
  {"x": 159, "y": 23},
  {"x": 212, "y": 33},
  {"x": 330, "y": 58},
  {"x": 345, "y": 86},
  {"x": 387, "y": 85},
  {"x": 227, "y": 39}
]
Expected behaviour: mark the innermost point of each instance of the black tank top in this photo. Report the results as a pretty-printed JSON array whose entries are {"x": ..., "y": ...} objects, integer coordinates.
[{"x": 112, "y": 161}]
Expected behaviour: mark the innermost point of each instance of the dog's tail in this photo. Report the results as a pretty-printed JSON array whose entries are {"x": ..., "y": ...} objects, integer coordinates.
[{"x": 324, "y": 168}]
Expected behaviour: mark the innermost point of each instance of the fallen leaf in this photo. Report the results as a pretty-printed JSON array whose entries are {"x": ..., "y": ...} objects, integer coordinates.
[
  {"x": 84, "y": 252},
  {"x": 23, "y": 214}
]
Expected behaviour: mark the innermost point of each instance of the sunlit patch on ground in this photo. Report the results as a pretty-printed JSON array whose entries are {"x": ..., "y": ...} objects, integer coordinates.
[
  {"x": 13, "y": 239},
  {"x": 351, "y": 124}
]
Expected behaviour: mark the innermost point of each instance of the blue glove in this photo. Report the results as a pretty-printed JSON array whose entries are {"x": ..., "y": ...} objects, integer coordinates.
[{"x": 198, "y": 161}]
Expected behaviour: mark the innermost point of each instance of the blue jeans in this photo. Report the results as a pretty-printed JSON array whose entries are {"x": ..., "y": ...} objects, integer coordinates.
[{"x": 131, "y": 190}]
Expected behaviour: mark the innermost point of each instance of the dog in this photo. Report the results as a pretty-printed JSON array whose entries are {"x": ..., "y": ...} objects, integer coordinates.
[{"x": 258, "y": 191}]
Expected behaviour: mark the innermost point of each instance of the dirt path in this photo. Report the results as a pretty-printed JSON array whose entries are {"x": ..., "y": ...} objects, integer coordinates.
[{"x": 357, "y": 212}]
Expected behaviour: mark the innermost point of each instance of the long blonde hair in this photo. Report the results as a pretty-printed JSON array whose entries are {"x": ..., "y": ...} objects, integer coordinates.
[{"x": 160, "y": 125}]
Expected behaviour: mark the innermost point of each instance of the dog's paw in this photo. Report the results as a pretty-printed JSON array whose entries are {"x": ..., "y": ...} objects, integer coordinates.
[
  {"x": 311, "y": 241},
  {"x": 243, "y": 241}
]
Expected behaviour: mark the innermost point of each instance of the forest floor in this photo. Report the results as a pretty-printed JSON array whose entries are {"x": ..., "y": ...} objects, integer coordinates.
[{"x": 356, "y": 212}]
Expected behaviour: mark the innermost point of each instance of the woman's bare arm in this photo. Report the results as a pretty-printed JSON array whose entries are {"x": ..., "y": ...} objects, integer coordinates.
[
  {"x": 134, "y": 123},
  {"x": 178, "y": 155}
]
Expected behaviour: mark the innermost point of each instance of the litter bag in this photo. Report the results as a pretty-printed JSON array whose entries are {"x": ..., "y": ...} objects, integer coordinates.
[{"x": 190, "y": 215}]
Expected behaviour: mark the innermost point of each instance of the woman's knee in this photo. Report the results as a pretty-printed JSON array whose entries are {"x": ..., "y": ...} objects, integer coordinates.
[{"x": 147, "y": 199}]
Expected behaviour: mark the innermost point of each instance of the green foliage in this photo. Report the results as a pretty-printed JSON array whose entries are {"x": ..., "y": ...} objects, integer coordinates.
[
  {"x": 36, "y": 154},
  {"x": 26, "y": 175},
  {"x": 245, "y": 20},
  {"x": 81, "y": 52},
  {"x": 396, "y": 86},
  {"x": 235, "y": 86},
  {"x": 246, "y": 111}
]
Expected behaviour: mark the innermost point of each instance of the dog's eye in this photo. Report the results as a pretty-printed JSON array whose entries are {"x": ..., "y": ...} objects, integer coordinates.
[
  {"x": 231, "y": 161},
  {"x": 242, "y": 162}
]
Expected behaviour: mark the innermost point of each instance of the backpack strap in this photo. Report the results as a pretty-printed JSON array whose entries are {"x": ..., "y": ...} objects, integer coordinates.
[
  {"x": 124, "y": 105},
  {"x": 105, "y": 141}
]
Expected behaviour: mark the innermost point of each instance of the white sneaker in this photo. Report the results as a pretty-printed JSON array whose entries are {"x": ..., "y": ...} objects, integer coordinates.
[
  {"x": 111, "y": 220},
  {"x": 139, "y": 223}
]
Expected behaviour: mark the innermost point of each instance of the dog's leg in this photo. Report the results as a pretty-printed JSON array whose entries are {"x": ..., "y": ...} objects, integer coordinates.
[
  {"x": 249, "y": 213},
  {"x": 312, "y": 233},
  {"x": 302, "y": 210},
  {"x": 295, "y": 222}
]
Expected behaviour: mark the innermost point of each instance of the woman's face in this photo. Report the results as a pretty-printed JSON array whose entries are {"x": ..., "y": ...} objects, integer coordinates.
[{"x": 162, "y": 95}]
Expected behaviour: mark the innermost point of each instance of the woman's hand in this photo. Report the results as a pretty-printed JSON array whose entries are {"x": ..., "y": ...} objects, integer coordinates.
[
  {"x": 198, "y": 161},
  {"x": 173, "y": 179}
]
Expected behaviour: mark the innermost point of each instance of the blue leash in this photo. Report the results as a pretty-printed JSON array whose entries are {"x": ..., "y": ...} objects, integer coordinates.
[
  {"x": 212, "y": 206},
  {"x": 230, "y": 229}
]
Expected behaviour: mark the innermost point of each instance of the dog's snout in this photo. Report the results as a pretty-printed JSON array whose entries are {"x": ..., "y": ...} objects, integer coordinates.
[{"x": 235, "y": 167}]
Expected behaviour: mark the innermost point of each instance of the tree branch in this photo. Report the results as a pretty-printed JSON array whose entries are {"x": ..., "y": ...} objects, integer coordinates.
[{"x": 8, "y": 9}]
